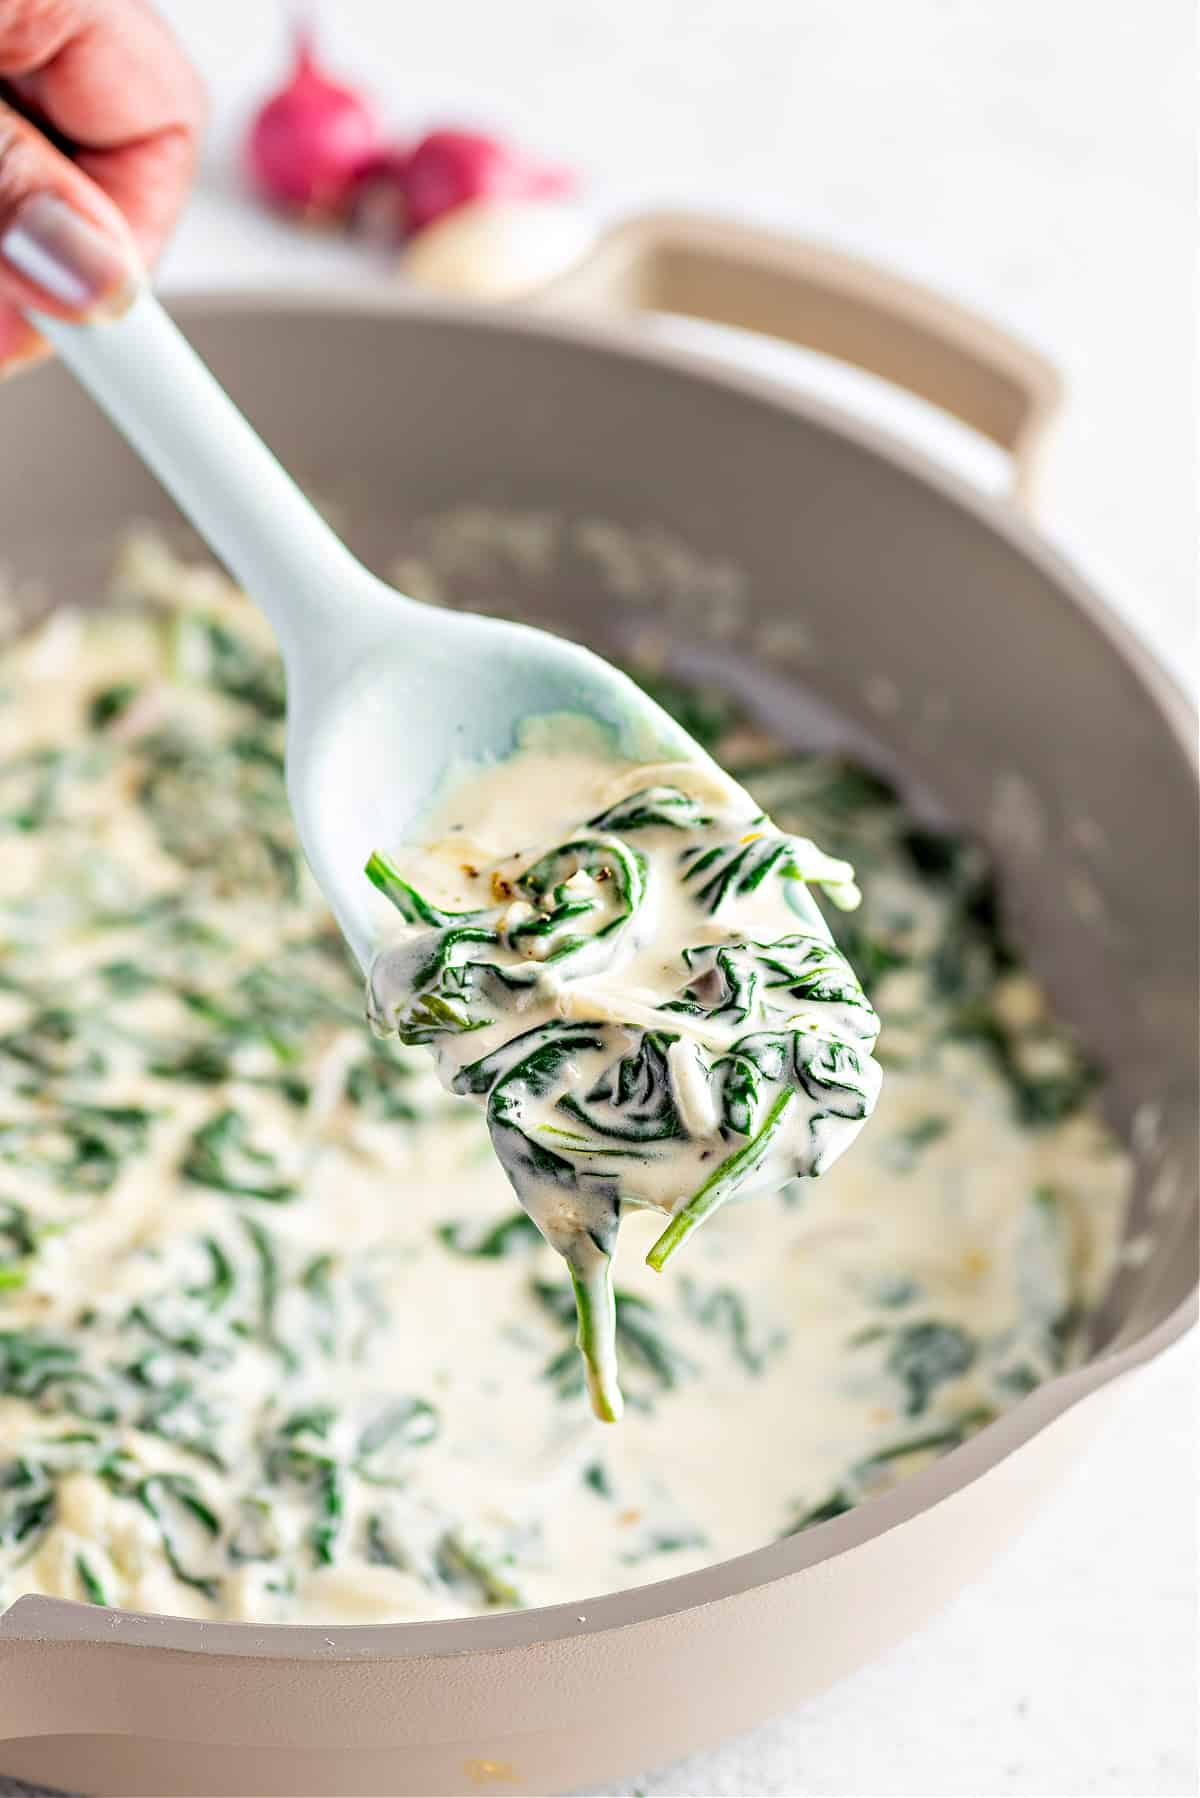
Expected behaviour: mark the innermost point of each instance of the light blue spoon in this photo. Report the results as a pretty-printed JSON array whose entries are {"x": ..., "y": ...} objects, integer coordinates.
[{"x": 385, "y": 694}]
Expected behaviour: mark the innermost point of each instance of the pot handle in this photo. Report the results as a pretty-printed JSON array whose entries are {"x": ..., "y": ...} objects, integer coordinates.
[{"x": 823, "y": 299}]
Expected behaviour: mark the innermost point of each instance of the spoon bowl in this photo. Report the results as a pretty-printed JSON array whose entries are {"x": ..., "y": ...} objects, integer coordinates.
[
  {"x": 434, "y": 693},
  {"x": 387, "y": 696}
]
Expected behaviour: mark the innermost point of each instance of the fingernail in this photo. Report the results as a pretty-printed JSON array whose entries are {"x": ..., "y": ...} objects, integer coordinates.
[{"x": 68, "y": 257}]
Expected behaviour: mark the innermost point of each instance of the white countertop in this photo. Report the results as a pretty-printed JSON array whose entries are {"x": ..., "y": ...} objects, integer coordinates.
[{"x": 1034, "y": 161}]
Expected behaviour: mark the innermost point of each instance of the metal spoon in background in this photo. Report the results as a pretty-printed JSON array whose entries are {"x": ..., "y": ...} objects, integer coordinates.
[{"x": 384, "y": 694}]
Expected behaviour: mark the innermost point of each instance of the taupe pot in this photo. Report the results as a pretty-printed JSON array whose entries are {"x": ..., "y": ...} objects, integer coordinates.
[{"x": 577, "y": 474}]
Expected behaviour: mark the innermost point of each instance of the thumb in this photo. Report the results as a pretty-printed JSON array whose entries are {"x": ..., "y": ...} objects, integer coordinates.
[{"x": 64, "y": 247}]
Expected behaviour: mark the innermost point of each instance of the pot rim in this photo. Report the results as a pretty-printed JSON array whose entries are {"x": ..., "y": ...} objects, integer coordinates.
[{"x": 65, "y": 1620}]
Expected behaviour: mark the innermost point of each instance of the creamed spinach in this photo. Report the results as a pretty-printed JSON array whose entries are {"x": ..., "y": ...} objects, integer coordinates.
[
  {"x": 647, "y": 1012},
  {"x": 275, "y": 1340}
]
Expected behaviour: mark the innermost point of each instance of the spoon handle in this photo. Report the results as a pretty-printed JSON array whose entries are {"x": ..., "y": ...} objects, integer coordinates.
[{"x": 142, "y": 372}]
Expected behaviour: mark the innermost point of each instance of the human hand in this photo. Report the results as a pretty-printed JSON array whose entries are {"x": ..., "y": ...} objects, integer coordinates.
[{"x": 80, "y": 215}]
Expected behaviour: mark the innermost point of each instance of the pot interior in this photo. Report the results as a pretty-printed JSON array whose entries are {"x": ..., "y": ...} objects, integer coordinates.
[{"x": 621, "y": 498}]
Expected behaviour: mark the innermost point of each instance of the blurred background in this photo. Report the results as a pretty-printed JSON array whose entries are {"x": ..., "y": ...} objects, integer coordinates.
[{"x": 1033, "y": 160}]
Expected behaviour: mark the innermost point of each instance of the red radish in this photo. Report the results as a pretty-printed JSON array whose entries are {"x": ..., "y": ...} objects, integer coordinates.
[
  {"x": 448, "y": 168},
  {"x": 309, "y": 140},
  {"x": 378, "y": 203}
]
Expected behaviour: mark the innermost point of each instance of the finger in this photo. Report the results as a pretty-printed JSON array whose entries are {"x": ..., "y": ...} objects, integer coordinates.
[
  {"x": 102, "y": 75},
  {"x": 30, "y": 35},
  {"x": 64, "y": 245},
  {"x": 148, "y": 182},
  {"x": 112, "y": 83},
  {"x": 20, "y": 345}
]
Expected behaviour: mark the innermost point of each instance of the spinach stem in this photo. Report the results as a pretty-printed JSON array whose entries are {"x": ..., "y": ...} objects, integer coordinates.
[
  {"x": 720, "y": 1185},
  {"x": 596, "y": 1337}
]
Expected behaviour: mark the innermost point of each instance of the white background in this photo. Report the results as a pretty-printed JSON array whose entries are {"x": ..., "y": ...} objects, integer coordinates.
[{"x": 1034, "y": 159}]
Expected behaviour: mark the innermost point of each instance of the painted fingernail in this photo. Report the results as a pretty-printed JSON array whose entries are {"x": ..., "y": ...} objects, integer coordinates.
[{"x": 68, "y": 257}]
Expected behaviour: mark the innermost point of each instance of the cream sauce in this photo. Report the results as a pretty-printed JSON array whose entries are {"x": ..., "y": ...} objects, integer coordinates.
[
  {"x": 275, "y": 1342},
  {"x": 651, "y": 1010}
]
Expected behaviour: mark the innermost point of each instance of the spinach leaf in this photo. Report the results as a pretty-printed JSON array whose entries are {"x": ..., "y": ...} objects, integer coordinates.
[
  {"x": 511, "y": 1235},
  {"x": 379, "y": 1085},
  {"x": 641, "y": 1335},
  {"x": 219, "y": 1285},
  {"x": 926, "y": 1355},
  {"x": 318, "y": 1475},
  {"x": 256, "y": 1535},
  {"x": 54, "y": 1042},
  {"x": 266, "y": 1257},
  {"x": 46, "y": 1370},
  {"x": 731, "y": 870},
  {"x": 836, "y": 1505},
  {"x": 18, "y": 1243},
  {"x": 466, "y": 1565},
  {"x": 177, "y": 1412},
  {"x": 123, "y": 977},
  {"x": 1048, "y": 1077},
  {"x": 634, "y": 1098},
  {"x": 76, "y": 1145},
  {"x": 643, "y": 1339},
  {"x": 933, "y": 1442},
  {"x": 866, "y": 1475},
  {"x": 93, "y": 1588},
  {"x": 596, "y": 1479},
  {"x": 233, "y": 665},
  {"x": 724, "y": 1311},
  {"x": 172, "y": 1499},
  {"x": 404, "y": 1424},
  {"x": 665, "y": 1542},
  {"x": 29, "y": 788},
  {"x": 756, "y": 1082},
  {"x": 651, "y": 807},
  {"x": 221, "y": 1155},
  {"x": 902, "y": 1150},
  {"x": 108, "y": 704},
  {"x": 27, "y": 1501},
  {"x": 220, "y": 813},
  {"x": 381, "y": 1547}
]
